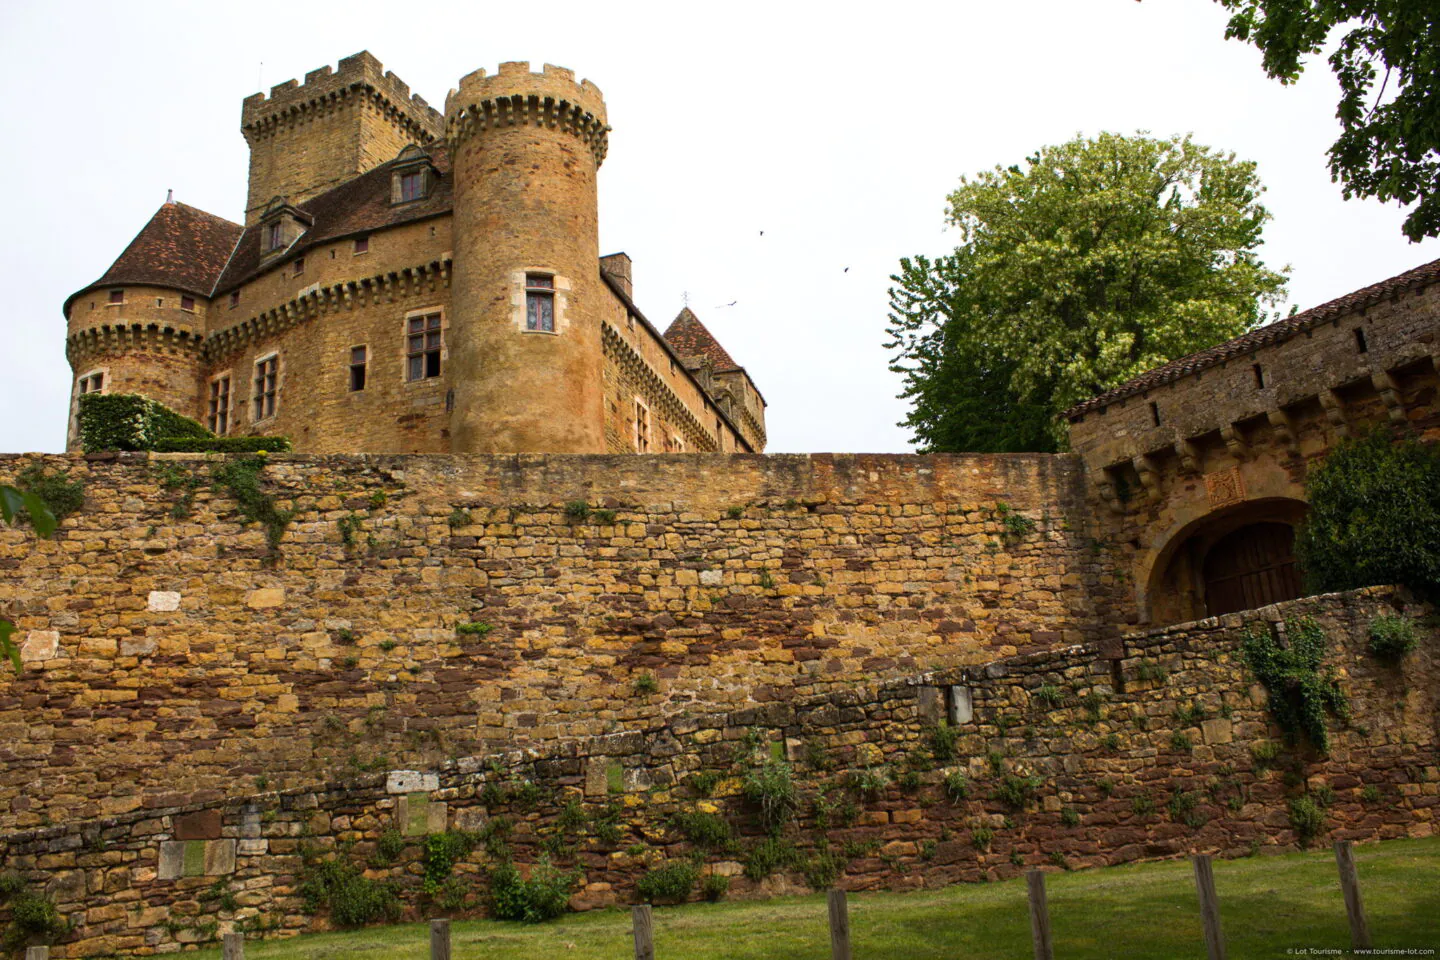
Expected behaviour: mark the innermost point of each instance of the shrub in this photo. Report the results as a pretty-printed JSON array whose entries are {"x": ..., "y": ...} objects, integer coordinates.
[
  {"x": 352, "y": 899},
  {"x": 771, "y": 786},
  {"x": 388, "y": 848},
  {"x": 868, "y": 782},
  {"x": 544, "y": 895},
  {"x": 458, "y": 518},
  {"x": 703, "y": 782},
  {"x": 1264, "y": 753},
  {"x": 1141, "y": 805},
  {"x": 222, "y": 445},
  {"x": 707, "y": 830},
  {"x": 981, "y": 837},
  {"x": 60, "y": 495},
  {"x": 128, "y": 421},
  {"x": 1392, "y": 636},
  {"x": 646, "y": 684},
  {"x": 1070, "y": 817},
  {"x": 577, "y": 511},
  {"x": 442, "y": 852},
  {"x": 1049, "y": 695},
  {"x": 670, "y": 882},
  {"x": 1307, "y": 818},
  {"x": 1182, "y": 808},
  {"x": 478, "y": 628},
  {"x": 603, "y": 516},
  {"x": 1374, "y": 516},
  {"x": 957, "y": 786},
  {"x": 714, "y": 887},
  {"x": 1180, "y": 742},
  {"x": 942, "y": 742},
  {"x": 767, "y": 856},
  {"x": 1015, "y": 792},
  {"x": 1300, "y": 695},
  {"x": 1370, "y": 794},
  {"x": 822, "y": 870}
]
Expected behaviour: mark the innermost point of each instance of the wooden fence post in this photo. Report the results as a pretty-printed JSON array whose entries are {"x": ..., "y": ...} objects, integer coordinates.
[
  {"x": 37, "y": 953},
  {"x": 439, "y": 940},
  {"x": 839, "y": 926},
  {"x": 1209, "y": 908},
  {"x": 1039, "y": 916},
  {"x": 644, "y": 932},
  {"x": 234, "y": 947},
  {"x": 1354, "y": 905}
]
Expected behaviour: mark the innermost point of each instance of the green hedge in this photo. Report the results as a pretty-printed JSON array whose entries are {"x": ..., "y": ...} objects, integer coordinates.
[
  {"x": 222, "y": 445},
  {"x": 128, "y": 421}
]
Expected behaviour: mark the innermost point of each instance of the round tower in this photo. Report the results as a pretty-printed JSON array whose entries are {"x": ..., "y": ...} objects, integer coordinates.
[{"x": 524, "y": 327}]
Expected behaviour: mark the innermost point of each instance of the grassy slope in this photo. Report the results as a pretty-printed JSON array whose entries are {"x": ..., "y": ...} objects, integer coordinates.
[{"x": 1268, "y": 904}]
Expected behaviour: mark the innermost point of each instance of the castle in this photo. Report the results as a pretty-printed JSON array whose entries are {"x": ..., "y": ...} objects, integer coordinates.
[
  {"x": 582, "y": 644},
  {"x": 409, "y": 282}
]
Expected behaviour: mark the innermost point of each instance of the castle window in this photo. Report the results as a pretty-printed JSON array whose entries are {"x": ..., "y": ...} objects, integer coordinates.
[
  {"x": 187, "y": 303},
  {"x": 219, "y": 419},
  {"x": 92, "y": 383},
  {"x": 422, "y": 347},
  {"x": 299, "y": 266},
  {"x": 267, "y": 382},
  {"x": 1360, "y": 345},
  {"x": 117, "y": 296},
  {"x": 1155, "y": 413},
  {"x": 642, "y": 427},
  {"x": 362, "y": 244},
  {"x": 159, "y": 301},
  {"x": 540, "y": 302},
  {"x": 234, "y": 299},
  {"x": 275, "y": 235},
  {"x": 358, "y": 356},
  {"x": 1259, "y": 376},
  {"x": 412, "y": 186}
]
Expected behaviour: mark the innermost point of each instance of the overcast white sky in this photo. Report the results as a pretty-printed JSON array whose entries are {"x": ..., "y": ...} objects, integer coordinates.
[{"x": 836, "y": 129}]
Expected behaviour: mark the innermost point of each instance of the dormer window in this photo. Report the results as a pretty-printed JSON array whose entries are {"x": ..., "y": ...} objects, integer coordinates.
[
  {"x": 412, "y": 176},
  {"x": 280, "y": 226}
]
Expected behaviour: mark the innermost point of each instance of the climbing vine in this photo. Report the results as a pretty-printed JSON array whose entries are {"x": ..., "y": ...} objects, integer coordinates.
[{"x": 1301, "y": 693}]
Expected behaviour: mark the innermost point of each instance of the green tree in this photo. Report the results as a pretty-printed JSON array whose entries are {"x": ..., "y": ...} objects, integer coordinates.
[
  {"x": 1374, "y": 516},
  {"x": 1389, "y": 145},
  {"x": 1095, "y": 261},
  {"x": 15, "y": 502}
]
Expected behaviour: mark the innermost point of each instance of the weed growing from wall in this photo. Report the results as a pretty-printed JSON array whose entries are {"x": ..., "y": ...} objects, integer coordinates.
[
  {"x": 669, "y": 882},
  {"x": 60, "y": 495},
  {"x": 771, "y": 787},
  {"x": 1300, "y": 693},
  {"x": 240, "y": 479},
  {"x": 1391, "y": 637}
]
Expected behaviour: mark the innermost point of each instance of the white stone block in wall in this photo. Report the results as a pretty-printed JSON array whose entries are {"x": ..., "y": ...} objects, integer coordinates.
[
  {"x": 40, "y": 645},
  {"x": 712, "y": 578},
  {"x": 962, "y": 709},
  {"x": 163, "y": 601},
  {"x": 411, "y": 781}
]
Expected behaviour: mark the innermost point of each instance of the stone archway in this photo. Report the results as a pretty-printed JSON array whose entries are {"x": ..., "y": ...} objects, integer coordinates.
[{"x": 1237, "y": 558}]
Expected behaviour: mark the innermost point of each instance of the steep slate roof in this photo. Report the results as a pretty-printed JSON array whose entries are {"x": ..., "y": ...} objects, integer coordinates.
[
  {"x": 181, "y": 247},
  {"x": 355, "y": 207},
  {"x": 690, "y": 339},
  {"x": 1277, "y": 332}
]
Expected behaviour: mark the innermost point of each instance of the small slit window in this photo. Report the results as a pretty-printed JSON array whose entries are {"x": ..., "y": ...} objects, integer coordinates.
[
  {"x": 219, "y": 419},
  {"x": 234, "y": 299},
  {"x": 540, "y": 302},
  {"x": 358, "y": 358},
  {"x": 423, "y": 342},
  {"x": 299, "y": 266},
  {"x": 267, "y": 382},
  {"x": 1360, "y": 345},
  {"x": 1155, "y": 413},
  {"x": 1259, "y": 376}
]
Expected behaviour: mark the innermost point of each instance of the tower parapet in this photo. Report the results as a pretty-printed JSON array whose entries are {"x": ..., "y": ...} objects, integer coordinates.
[
  {"x": 306, "y": 138},
  {"x": 527, "y": 296}
]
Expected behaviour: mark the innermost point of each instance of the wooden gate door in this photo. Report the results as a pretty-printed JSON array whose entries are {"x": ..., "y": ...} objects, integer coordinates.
[{"x": 1251, "y": 567}]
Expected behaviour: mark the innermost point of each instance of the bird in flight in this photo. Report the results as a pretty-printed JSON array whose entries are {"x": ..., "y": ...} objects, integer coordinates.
[{"x": 730, "y": 304}]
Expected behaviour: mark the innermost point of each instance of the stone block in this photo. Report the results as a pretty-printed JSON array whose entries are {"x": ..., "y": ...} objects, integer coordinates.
[
  {"x": 265, "y": 598},
  {"x": 40, "y": 645},
  {"x": 962, "y": 709},
  {"x": 411, "y": 781},
  {"x": 218, "y": 858},
  {"x": 929, "y": 702},
  {"x": 163, "y": 601},
  {"x": 201, "y": 825},
  {"x": 172, "y": 860},
  {"x": 1217, "y": 730},
  {"x": 712, "y": 578}
]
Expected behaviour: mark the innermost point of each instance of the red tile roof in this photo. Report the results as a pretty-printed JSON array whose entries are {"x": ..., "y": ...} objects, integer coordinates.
[
  {"x": 181, "y": 248},
  {"x": 1265, "y": 336},
  {"x": 690, "y": 339}
]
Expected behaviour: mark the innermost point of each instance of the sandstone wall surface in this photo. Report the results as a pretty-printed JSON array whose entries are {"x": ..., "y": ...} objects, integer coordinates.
[
  {"x": 174, "y": 656},
  {"x": 1156, "y": 745}
]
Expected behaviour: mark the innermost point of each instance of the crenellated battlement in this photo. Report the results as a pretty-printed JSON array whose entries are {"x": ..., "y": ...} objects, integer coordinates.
[
  {"x": 360, "y": 75},
  {"x": 515, "y": 95}
]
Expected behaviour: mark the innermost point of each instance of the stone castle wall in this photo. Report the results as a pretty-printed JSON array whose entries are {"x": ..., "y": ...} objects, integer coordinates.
[
  {"x": 173, "y": 656},
  {"x": 1157, "y": 745}
]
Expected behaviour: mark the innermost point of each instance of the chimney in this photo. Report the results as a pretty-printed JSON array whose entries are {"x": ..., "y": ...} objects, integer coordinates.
[{"x": 616, "y": 266}]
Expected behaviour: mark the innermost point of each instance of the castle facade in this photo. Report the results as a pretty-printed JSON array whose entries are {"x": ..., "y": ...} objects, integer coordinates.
[{"x": 410, "y": 282}]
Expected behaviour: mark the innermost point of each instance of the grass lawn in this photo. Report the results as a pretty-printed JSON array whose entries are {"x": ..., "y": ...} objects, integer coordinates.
[{"x": 1268, "y": 905}]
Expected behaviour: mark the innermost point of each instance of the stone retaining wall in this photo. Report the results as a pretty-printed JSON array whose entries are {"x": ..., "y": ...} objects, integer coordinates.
[{"x": 1150, "y": 746}]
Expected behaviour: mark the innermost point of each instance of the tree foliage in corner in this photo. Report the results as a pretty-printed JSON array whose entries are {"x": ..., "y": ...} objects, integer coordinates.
[
  {"x": 1387, "y": 63},
  {"x": 14, "y": 503},
  {"x": 1374, "y": 516},
  {"x": 1095, "y": 261}
]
